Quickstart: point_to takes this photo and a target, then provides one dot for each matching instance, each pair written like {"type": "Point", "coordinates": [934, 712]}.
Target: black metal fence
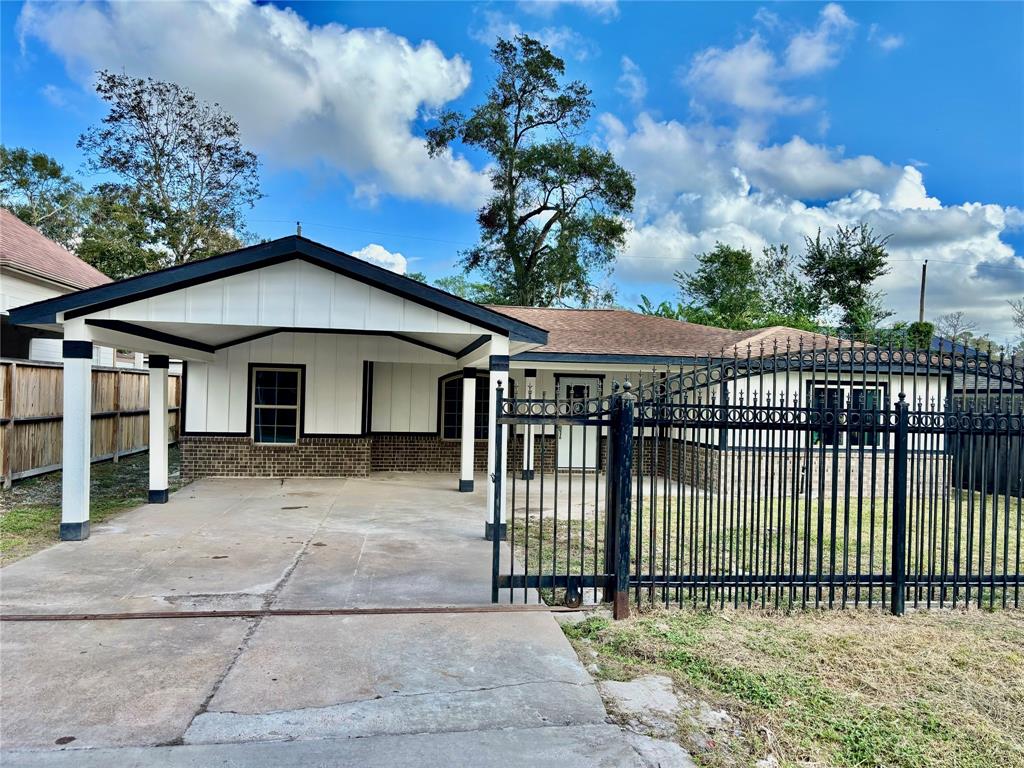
{"type": "Point", "coordinates": [818, 475]}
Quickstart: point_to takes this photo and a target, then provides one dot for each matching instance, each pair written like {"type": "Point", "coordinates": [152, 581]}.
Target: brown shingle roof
{"type": "Point", "coordinates": [23, 247]}
{"type": "Point", "coordinates": [621, 332]}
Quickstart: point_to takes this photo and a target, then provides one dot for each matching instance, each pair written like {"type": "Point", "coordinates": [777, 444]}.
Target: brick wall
{"type": "Point", "coordinates": [203, 456]}
{"type": "Point", "coordinates": [399, 452]}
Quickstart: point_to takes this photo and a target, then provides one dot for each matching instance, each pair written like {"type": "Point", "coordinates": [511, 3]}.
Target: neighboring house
{"type": "Point", "coordinates": [301, 360]}
{"type": "Point", "coordinates": [33, 268]}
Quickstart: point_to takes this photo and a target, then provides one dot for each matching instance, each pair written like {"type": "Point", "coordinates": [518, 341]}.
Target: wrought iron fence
{"type": "Point", "coordinates": [827, 474]}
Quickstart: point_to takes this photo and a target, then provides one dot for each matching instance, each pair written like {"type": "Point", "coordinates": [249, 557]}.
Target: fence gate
{"type": "Point", "coordinates": [787, 476]}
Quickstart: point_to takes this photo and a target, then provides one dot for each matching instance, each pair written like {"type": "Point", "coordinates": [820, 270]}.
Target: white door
{"type": "Point", "coordinates": [577, 444]}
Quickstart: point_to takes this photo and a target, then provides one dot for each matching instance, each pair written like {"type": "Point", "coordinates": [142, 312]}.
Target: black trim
{"type": "Point", "coordinates": [159, 362]}
{"type": "Point", "coordinates": [77, 350]}
{"type": "Point", "coordinates": [266, 254]}
{"type": "Point", "coordinates": [573, 357]}
{"type": "Point", "coordinates": [469, 373]}
{"type": "Point", "coordinates": [74, 531]}
{"type": "Point", "coordinates": [158, 497]}
{"type": "Point", "coordinates": [142, 331]}
{"type": "Point", "coordinates": [465, 486]}
{"type": "Point", "coordinates": [479, 342]}
{"type": "Point", "coordinates": [482, 381]}
{"type": "Point", "coordinates": [301, 422]}
{"type": "Point", "coordinates": [335, 332]}
{"type": "Point", "coordinates": [530, 373]}
{"type": "Point", "coordinates": [367, 409]}
{"type": "Point", "coordinates": [498, 363]}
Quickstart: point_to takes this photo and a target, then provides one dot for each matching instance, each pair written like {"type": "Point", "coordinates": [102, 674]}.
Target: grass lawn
{"type": "Point", "coordinates": [30, 510]}
{"type": "Point", "coordinates": [837, 688]}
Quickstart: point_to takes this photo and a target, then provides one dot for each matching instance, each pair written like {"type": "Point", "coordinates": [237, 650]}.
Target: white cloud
{"type": "Point", "coordinates": [750, 76]}
{"type": "Point", "coordinates": [561, 39]}
{"type": "Point", "coordinates": [54, 95]}
{"type": "Point", "coordinates": [887, 42]}
{"type": "Point", "coordinates": [632, 84]}
{"type": "Point", "coordinates": [698, 184]}
{"type": "Point", "coordinates": [606, 10]}
{"type": "Point", "coordinates": [382, 257]}
{"type": "Point", "coordinates": [812, 51]}
{"type": "Point", "coordinates": [304, 95]}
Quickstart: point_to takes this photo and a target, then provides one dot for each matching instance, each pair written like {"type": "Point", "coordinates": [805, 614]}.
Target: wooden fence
{"type": "Point", "coordinates": [31, 406]}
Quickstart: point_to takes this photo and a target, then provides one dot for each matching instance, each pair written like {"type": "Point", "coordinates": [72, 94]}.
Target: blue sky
{"type": "Point", "coordinates": [747, 123]}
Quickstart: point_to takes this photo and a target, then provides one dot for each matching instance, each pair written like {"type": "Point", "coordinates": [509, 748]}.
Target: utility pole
{"type": "Point", "coordinates": [298, 231]}
{"type": "Point", "coordinates": [924, 277]}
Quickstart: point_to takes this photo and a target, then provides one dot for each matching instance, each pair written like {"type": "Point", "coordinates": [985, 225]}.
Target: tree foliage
{"type": "Point", "coordinates": [36, 189]}
{"type": "Point", "coordinates": [723, 291]}
{"type": "Point", "coordinates": [555, 218]}
{"type": "Point", "coordinates": [842, 269]}
{"type": "Point", "coordinates": [464, 288]}
{"type": "Point", "coordinates": [182, 174]}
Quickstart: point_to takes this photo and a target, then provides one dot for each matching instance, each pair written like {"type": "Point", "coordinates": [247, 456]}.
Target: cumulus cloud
{"type": "Point", "coordinates": [751, 75]}
{"type": "Point", "coordinates": [631, 83]}
{"type": "Point", "coordinates": [304, 95]}
{"type": "Point", "coordinates": [382, 257]}
{"type": "Point", "coordinates": [698, 184]}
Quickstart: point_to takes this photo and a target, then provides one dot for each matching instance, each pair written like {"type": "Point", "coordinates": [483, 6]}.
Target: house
{"type": "Point", "coordinates": [34, 268]}
{"type": "Point", "coordinates": [300, 360]}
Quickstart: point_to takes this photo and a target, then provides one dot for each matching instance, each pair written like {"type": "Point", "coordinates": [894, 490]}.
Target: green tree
{"type": "Point", "coordinates": [841, 270]}
{"type": "Point", "coordinates": [36, 189]}
{"type": "Point", "coordinates": [723, 291]}
{"type": "Point", "coordinates": [181, 164]}
{"type": "Point", "coordinates": [786, 298]}
{"type": "Point", "coordinates": [117, 240]}
{"type": "Point", "coordinates": [556, 218]}
{"type": "Point", "coordinates": [464, 288]}
{"type": "Point", "coordinates": [667, 309]}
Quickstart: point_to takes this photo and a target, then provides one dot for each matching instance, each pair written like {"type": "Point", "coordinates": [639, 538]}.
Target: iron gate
{"type": "Point", "coordinates": [787, 476]}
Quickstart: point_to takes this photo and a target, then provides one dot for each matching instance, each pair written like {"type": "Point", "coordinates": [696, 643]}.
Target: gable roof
{"type": "Point", "coordinates": [265, 254]}
{"type": "Point", "coordinates": [24, 248]}
{"type": "Point", "coordinates": [620, 335]}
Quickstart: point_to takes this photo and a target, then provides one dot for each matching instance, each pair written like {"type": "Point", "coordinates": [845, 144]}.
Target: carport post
{"type": "Point", "coordinates": [158, 365]}
{"type": "Point", "coordinates": [468, 429]}
{"type": "Point", "coordinates": [77, 440]}
{"type": "Point", "coordinates": [499, 375]}
{"type": "Point", "coordinates": [531, 390]}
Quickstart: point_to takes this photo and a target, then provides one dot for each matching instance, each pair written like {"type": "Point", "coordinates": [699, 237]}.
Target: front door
{"type": "Point", "coordinates": [577, 445]}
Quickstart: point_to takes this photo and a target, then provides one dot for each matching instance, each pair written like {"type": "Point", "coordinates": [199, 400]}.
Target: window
{"type": "Point", "coordinates": [451, 408]}
{"type": "Point", "coordinates": [846, 404]}
{"type": "Point", "coordinates": [276, 394]}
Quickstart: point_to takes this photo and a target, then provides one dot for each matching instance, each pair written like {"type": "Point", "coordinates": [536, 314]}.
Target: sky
{"type": "Point", "coordinates": [745, 123]}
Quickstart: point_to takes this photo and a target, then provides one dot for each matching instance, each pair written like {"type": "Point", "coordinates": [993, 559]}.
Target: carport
{"type": "Point", "coordinates": [279, 343]}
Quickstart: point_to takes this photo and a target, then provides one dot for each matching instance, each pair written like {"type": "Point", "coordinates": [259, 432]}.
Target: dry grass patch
{"type": "Point", "coordinates": [840, 688]}
{"type": "Point", "coordinates": [30, 510]}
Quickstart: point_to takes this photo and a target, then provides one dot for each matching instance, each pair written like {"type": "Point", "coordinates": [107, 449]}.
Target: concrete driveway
{"type": "Point", "coordinates": [456, 688]}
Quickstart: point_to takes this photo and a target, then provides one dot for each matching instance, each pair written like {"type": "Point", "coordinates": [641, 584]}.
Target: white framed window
{"type": "Point", "coordinates": [860, 401]}
{"type": "Point", "coordinates": [276, 405]}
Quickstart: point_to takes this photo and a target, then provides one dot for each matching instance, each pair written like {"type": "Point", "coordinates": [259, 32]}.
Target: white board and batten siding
{"type": "Point", "coordinates": [218, 393]}
{"type": "Point", "coordinates": [293, 294]}
{"type": "Point", "coordinates": [405, 396]}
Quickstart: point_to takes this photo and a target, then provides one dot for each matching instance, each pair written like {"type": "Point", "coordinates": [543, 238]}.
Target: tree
{"type": "Point", "coordinates": [920, 334]}
{"type": "Point", "coordinates": [667, 309]}
{"type": "Point", "coordinates": [786, 297]}
{"type": "Point", "coordinates": [842, 269]}
{"type": "Point", "coordinates": [461, 286]}
{"type": "Point", "coordinates": [723, 291]}
{"type": "Point", "coordinates": [555, 218]}
{"type": "Point", "coordinates": [35, 188]}
{"type": "Point", "coordinates": [955, 326]}
{"type": "Point", "coordinates": [180, 167]}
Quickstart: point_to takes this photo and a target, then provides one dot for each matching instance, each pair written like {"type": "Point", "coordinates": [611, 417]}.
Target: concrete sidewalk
{"type": "Point", "coordinates": [418, 689]}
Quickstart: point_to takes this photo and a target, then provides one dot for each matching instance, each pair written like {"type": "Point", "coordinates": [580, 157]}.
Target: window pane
{"type": "Point", "coordinates": [266, 387]}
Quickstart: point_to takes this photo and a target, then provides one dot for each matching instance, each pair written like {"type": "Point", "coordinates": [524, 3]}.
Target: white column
{"type": "Point", "coordinates": [77, 436]}
{"type": "Point", "coordinates": [531, 392]}
{"type": "Point", "coordinates": [158, 428]}
{"type": "Point", "coordinates": [498, 365]}
{"type": "Point", "coordinates": [468, 429]}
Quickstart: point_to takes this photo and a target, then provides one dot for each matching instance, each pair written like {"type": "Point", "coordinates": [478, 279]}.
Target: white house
{"type": "Point", "coordinates": [300, 360]}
